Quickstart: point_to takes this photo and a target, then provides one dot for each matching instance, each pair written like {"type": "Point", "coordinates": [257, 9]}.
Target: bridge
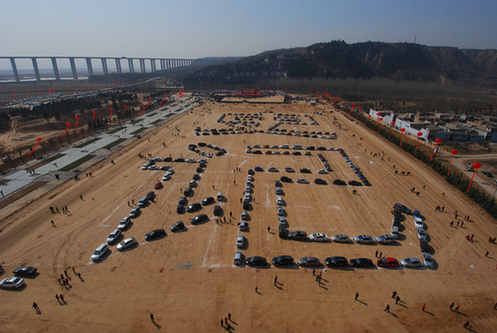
{"type": "Point", "coordinates": [164, 64]}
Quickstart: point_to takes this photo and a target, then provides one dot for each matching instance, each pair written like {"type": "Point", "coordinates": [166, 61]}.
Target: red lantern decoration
{"type": "Point", "coordinates": [67, 127]}
{"type": "Point", "coordinates": [367, 120]}
{"type": "Point", "coordinates": [476, 166]}
{"type": "Point", "coordinates": [419, 134]}
{"type": "Point", "coordinates": [379, 124]}
{"type": "Point", "coordinates": [402, 130]}
{"type": "Point", "coordinates": [37, 139]}
{"type": "Point", "coordinates": [94, 113]}
{"type": "Point", "coordinates": [454, 152]}
{"type": "Point", "coordinates": [391, 129]}
{"type": "Point", "coordinates": [437, 141]}
{"type": "Point", "coordinates": [77, 119]}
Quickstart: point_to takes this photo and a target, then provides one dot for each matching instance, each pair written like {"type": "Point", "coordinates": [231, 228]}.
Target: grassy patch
{"type": "Point", "coordinates": [88, 142]}
{"type": "Point", "coordinates": [74, 164]}
{"type": "Point", "coordinates": [169, 115]}
{"type": "Point", "coordinates": [152, 114]}
{"type": "Point", "coordinates": [115, 143]}
{"type": "Point", "coordinates": [138, 130]}
{"type": "Point", "coordinates": [48, 160]}
{"type": "Point", "coordinates": [134, 121]}
{"type": "Point", "coordinates": [115, 130]}
{"type": "Point", "coordinates": [156, 121]}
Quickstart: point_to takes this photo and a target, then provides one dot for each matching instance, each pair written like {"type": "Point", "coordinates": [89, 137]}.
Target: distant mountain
{"type": "Point", "coordinates": [337, 59]}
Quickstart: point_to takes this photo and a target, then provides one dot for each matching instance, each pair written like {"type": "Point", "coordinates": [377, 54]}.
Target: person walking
{"type": "Point", "coordinates": [313, 271]}
{"type": "Point", "coordinates": [53, 224]}
{"type": "Point", "coordinates": [466, 324]}
{"type": "Point", "coordinates": [357, 296]}
{"type": "Point", "coordinates": [81, 196]}
{"type": "Point", "coordinates": [57, 297]}
{"type": "Point", "coordinates": [229, 316]}
{"type": "Point", "coordinates": [275, 280]}
{"type": "Point", "coordinates": [495, 306]}
{"type": "Point", "coordinates": [35, 306]}
{"type": "Point", "coordinates": [486, 254]}
{"type": "Point", "coordinates": [452, 305]}
{"type": "Point", "coordinates": [268, 229]}
{"type": "Point", "coordinates": [387, 309]}
{"type": "Point", "coordinates": [457, 308]}
{"type": "Point", "coordinates": [376, 254]}
{"type": "Point", "coordinates": [395, 292]}
{"type": "Point", "coordinates": [451, 224]}
{"type": "Point", "coordinates": [222, 323]}
{"type": "Point", "coordinates": [152, 317]}
{"type": "Point", "coordinates": [397, 299]}
{"type": "Point", "coordinates": [62, 298]}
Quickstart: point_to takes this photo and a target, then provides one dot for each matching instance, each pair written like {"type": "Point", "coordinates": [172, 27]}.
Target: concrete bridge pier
{"type": "Point", "coordinates": [131, 66]}
{"type": "Point", "coordinates": [142, 66]}
{"type": "Point", "coordinates": [55, 69]}
{"type": "Point", "coordinates": [73, 68]}
{"type": "Point", "coordinates": [118, 66]}
{"type": "Point", "coordinates": [35, 68]}
{"type": "Point", "coordinates": [14, 69]}
{"type": "Point", "coordinates": [89, 66]}
{"type": "Point", "coordinates": [104, 66]}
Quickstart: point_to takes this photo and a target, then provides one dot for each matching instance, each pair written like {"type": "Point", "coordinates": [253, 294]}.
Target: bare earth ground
{"type": "Point", "coordinates": [187, 279]}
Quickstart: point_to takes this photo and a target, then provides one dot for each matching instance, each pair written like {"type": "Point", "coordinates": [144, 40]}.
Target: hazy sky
{"type": "Point", "coordinates": [194, 29]}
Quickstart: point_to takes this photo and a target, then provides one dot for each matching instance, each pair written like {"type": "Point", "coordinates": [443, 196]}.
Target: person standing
{"type": "Point", "coordinates": [152, 317]}
{"type": "Point", "coordinates": [452, 305]}
{"type": "Point", "coordinates": [395, 292]}
{"type": "Point", "coordinates": [357, 296]}
{"type": "Point", "coordinates": [424, 306]}
{"type": "Point", "coordinates": [387, 309]}
{"type": "Point", "coordinates": [397, 299]}
{"type": "Point", "coordinates": [275, 280]}
{"type": "Point", "coordinates": [35, 306]}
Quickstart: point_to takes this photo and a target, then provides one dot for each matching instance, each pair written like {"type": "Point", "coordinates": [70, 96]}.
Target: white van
{"type": "Point", "coordinates": [297, 147]}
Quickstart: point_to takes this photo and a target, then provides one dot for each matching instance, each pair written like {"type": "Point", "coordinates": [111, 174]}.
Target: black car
{"type": "Point", "coordinates": [183, 201]}
{"type": "Point", "coordinates": [296, 153]}
{"type": "Point", "coordinates": [402, 208]}
{"type": "Point", "coordinates": [199, 219]}
{"type": "Point", "coordinates": [361, 262]}
{"type": "Point", "coordinates": [201, 144]}
{"type": "Point", "coordinates": [304, 170]}
{"type": "Point", "coordinates": [283, 261]}
{"type": "Point", "coordinates": [487, 173]}
{"type": "Point", "coordinates": [218, 211]}
{"type": "Point", "coordinates": [277, 183]}
{"type": "Point", "coordinates": [339, 182]}
{"type": "Point", "coordinates": [257, 152]}
{"type": "Point", "coordinates": [286, 179]}
{"type": "Point", "coordinates": [321, 148]}
{"type": "Point", "coordinates": [355, 183]}
{"type": "Point", "coordinates": [187, 192]}
{"type": "Point", "coordinates": [320, 181]}
{"type": "Point", "coordinates": [251, 172]}
{"type": "Point", "coordinates": [178, 226]}
{"type": "Point", "coordinates": [168, 159]}
{"type": "Point", "coordinates": [336, 262]}
{"type": "Point", "coordinates": [246, 205]}
{"type": "Point", "coordinates": [207, 201]}
{"type": "Point", "coordinates": [366, 182]}
{"type": "Point", "coordinates": [25, 271]}
{"type": "Point", "coordinates": [150, 195]}
{"type": "Point", "coordinates": [154, 234]}
{"type": "Point", "coordinates": [310, 148]}
{"type": "Point", "coordinates": [219, 153]}
{"type": "Point", "coordinates": [196, 176]}
{"type": "Point", "coordinates": [256, 261]}
{"type": "Point", "coordinates": [180, 209]}
{"type": "Point", "coordinates": [297, 235]}
{"type": "Point", "coordinates": [179, 159]}
{"type": "Point", "coordinates": [199, 170]}
{"type": "Point", "coordinates": [193, 207]}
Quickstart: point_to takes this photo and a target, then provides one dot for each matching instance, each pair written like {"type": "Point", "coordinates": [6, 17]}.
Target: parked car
{"type": "Point", "coordinates": [288, 169]}
{"type": "Point", "coordinates": [322, 171]}
{"type": "Point", "coordinates": [143, 202]}
{"type": "Point", "coordinates": [154, 234]}
{"type": "Point", "coordinates": [218, 211]}
{"type": "Point", "coordinates": [302, 181]}
{"type": "Point", "coordinates": [207, 201]}
{"type": "Point", "coordinates": [319, 181]}
{"type": "Point", "coordinates": [286, 179]}
{"type": "Point", "coordinates": [25, 271]}
{"type": "Point", "coordinates": [243, 226]}
{"type": "Point", "coordinates": [388, 262]}
{"type": "Point", "coordinates": [126, 244]}
{"type": "Point", "coordinates": [244, 215]}
{"type": "Point", "coordinates": [12, 283]}
{"type": "Point", "coordinates": [386, 239]}
{"type": "Point", "coordinates": [427, 260]}
{"type": "Point", "coordinates": [99, 252]}
{"type": "Point", "coordinates": [354, 183]}
{"type": "Point", "coordinates": [297, 235]}
{"type": "Point", "coordinates": [124, 223]}
{"type": "Point", "coordinates": [402, 208]}
{"type": "Point", "coordinates": [240, 241]}
{"type": "Point", "coordinates": [361, 263]}
{"type": "Point", "coordinates": [363, 239]}
{"type": "Point", "coordinates": [283, 261]}
{"type": "Point", "coordinates": [256, 261]}
{"type": "Point", "coordinates": [336, 262]}
{"type": "Point", "coordinates": [257, 168]}
{"type": "Point", "coordinates": [339, 182]}
{"type": "Point", "coordinates": [304, 170]}
{"type": "Point", "coordinates": [134, 212]}
{"type": "Point", "coordinates": [318, 237]}
{"type": "Point", "coordinates": [281, 211]}
{"type": "Point", "coordinates": [309, 262]}
{"type": "Point", "coordinates": [150, 195]}
{"type": "Point", "coordinates": [193, 207]}
{"type": "Point", "coordinates": [340, 238]}
{"type": "Point", "coordinates": [113, 236]}
{"type": "Point", "coordinates": [158, 185]}
{"type": "Point", "coordinates": [421, 234]}
{"type": "Point", "coordinates": [178, 226]}
{"type": "Point", "coordinates": [272, 169]}
{"type": "Point", "coordinates": [238, 259]}
{"type": "Point", "coordinates": [199, 219]}
{"type": "Point", "coordinates": [411, 262]}
{"type": "Point", "coordinates": [183, 201]}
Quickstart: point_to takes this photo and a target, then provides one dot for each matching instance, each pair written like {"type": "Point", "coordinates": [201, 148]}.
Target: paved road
{"type": "Point", "coordinates": [19, 178]}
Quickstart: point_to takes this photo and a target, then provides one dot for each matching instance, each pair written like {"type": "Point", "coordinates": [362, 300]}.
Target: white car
{"type": "Point", "coordinates": [113, 236]}
{"type": "Point", "coordinates": [272, 169]}
{"type": "Point", "coordinates": [124, 223]}
{"type": "Point", "coordinates": [191, 160]}
{"type": "Point", "coordinates": [145, 167]}
{"type": "Point", "coordinates": [12, 282]}
{"type": "Point", "coordinates": [240, 241]}
{"type": "Point", "coordinates": [244, 215]}
{"type": "Point", "coordinates": [276, 152]}
{"type": "Point", "coordinates": [247, 196]}
{"type": "Point", "coordinates": [302, 181]}
{"type": "Point", "coordinates": [427, 260]}
{"type": "Point", "coordinates": [418, 223]}
{"type": "Point", "coordinates": [341, 238]}
{"type": "Point", "coordinates": [421, 234]}
{"type": "Point", "coordinates": [318, 237]}
{"type": "Point", "coordinates": [170, 172]}
{"type": "Point", "coordinates": [279, 201]}
{"type": "Point", "coordinates": [126, 244]}
{"type": "Point", "coordinates": [166, 177]}
{"type": "Point", "coordinates": [322, 171]}
{"type": "Point", "coordinates": [153, 167]}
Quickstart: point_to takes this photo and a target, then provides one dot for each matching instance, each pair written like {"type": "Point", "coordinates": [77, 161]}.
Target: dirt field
{"type": "Point", "coordinates": [188, 280]}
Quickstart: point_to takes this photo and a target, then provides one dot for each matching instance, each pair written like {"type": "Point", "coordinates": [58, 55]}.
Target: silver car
{"type": "Point", "coordinates": [411, 262]}
{"type": "Point", "coordinates": [421, 234]}
{"type": "Point", "coordinates": [427, 260]}
{"type": "Point", "coordinates": [281, 211]}
{"type": "Point", "coordinates": [12, 282]}
{"type": "Point", "coordinates": [240, 241]}
{"type": "Point", "coordinates": [341, 238]}
{"type": "Point", "coordinates": [126, 244]}
{"type": "Point", "coordinates": [113, 236]}
{"type": "Point", "coordinates": [124, 223]}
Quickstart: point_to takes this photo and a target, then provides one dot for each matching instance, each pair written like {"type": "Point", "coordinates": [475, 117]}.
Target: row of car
{"type": "Point", "coordinates": [243, 225]}
{"type": "Point", "coordinates": [356, 170]}
{"type": "Point", "coordinates": [287, 146]}
{"type": "Point", "coordinates": [334, 262]}
{"type": "Point", "coordinates": [16, 282]}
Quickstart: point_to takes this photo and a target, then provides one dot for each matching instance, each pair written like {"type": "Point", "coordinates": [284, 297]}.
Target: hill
{"type": "Point", "coordinates": [337, 59]}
